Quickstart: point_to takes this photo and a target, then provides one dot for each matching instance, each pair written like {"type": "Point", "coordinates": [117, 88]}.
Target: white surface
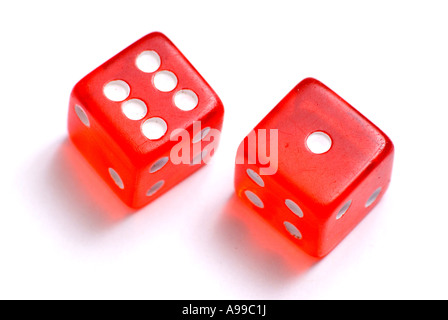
{"type": "Point", "coordinates": [62, 234]}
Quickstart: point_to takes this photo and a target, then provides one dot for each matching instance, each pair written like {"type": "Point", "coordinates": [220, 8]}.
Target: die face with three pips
{"type": "Point", "coordinates": [316, 197]}
{"type": "Point", "coordinates": [122, 117]}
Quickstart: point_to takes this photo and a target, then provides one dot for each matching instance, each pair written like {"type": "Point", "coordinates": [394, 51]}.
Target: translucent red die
{"type": "Point", "coordinates": [123, 117]}
{"type": "Point", "coordinates": [332, 167]}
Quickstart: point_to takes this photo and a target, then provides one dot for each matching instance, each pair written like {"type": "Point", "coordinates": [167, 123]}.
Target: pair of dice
{"type": "Point", "coordinates": [146, 120]}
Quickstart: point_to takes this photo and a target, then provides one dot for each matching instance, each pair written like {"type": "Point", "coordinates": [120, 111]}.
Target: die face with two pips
{"type": "Point", "coordinates": [122, 117]}
{"type": "Point", "coordinates": [319, 192]}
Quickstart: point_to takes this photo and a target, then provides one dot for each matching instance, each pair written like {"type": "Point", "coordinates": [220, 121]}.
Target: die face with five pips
{"type": "Point", "coordinates": [320, 191]}
{"type": "Point", "coordinates": [123, 117]}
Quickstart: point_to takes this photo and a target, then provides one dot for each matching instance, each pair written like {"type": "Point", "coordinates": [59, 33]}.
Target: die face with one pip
{"type": "Point", "coordinates": [320, 192]}
{"type": "Point", "coordinates": [122, 116]}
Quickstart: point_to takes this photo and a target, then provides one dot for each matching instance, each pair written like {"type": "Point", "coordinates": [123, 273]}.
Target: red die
{"type": "Point", "coordinates": [320, 191]}
{"type": "Point", "coordinates": [126, 115]}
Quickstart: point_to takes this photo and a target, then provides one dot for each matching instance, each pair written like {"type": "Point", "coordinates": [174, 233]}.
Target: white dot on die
{"type": "Point", "coordinates": [373, 197]}
{"type": "Point", "coordinates": [343, 210]}
{"type": "Point", "coordinates": [116, 177]}
{"type": "Point", "coordinates": [294, 207]}
{"type": "Point", "coordinates": [82, 115]}
{"type": "Point", "coordinates": [201, 135]}
{"type": "Point", "coordinates": [186, 100]}
{"type": "Point", "coordinates": [154, 128]}
{"type": "Point", "coordinates": [117, 90]}
{"type": "Point", "coordinates": [148, 61]}
{"type": "Point", "coordinates": [156, 187]}
{"type": "Point", "coordinates": [134, 109]}
{"type": "Point", "coordinates": [202, 156]}
{"type": "Point", "coordinates": [256, 201]}
{"type": "Point", "coordinates": [292, 229]}
{"type": "Point", "coordinates": [197, 159]}
{"type": "Point", "coordinates": [165, 81]}
{"type": "Point", "coordinates": [206, 153]}
{"type": "Point", "coordinates": [255, 177]}
{"type": "Point", "coordinates": [318, 142]}
{"type": "Point", "coordinates": [159, 164]}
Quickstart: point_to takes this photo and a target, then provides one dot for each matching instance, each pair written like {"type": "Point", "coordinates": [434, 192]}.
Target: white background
{"type": "Point", "coordinates": [64, 235]}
